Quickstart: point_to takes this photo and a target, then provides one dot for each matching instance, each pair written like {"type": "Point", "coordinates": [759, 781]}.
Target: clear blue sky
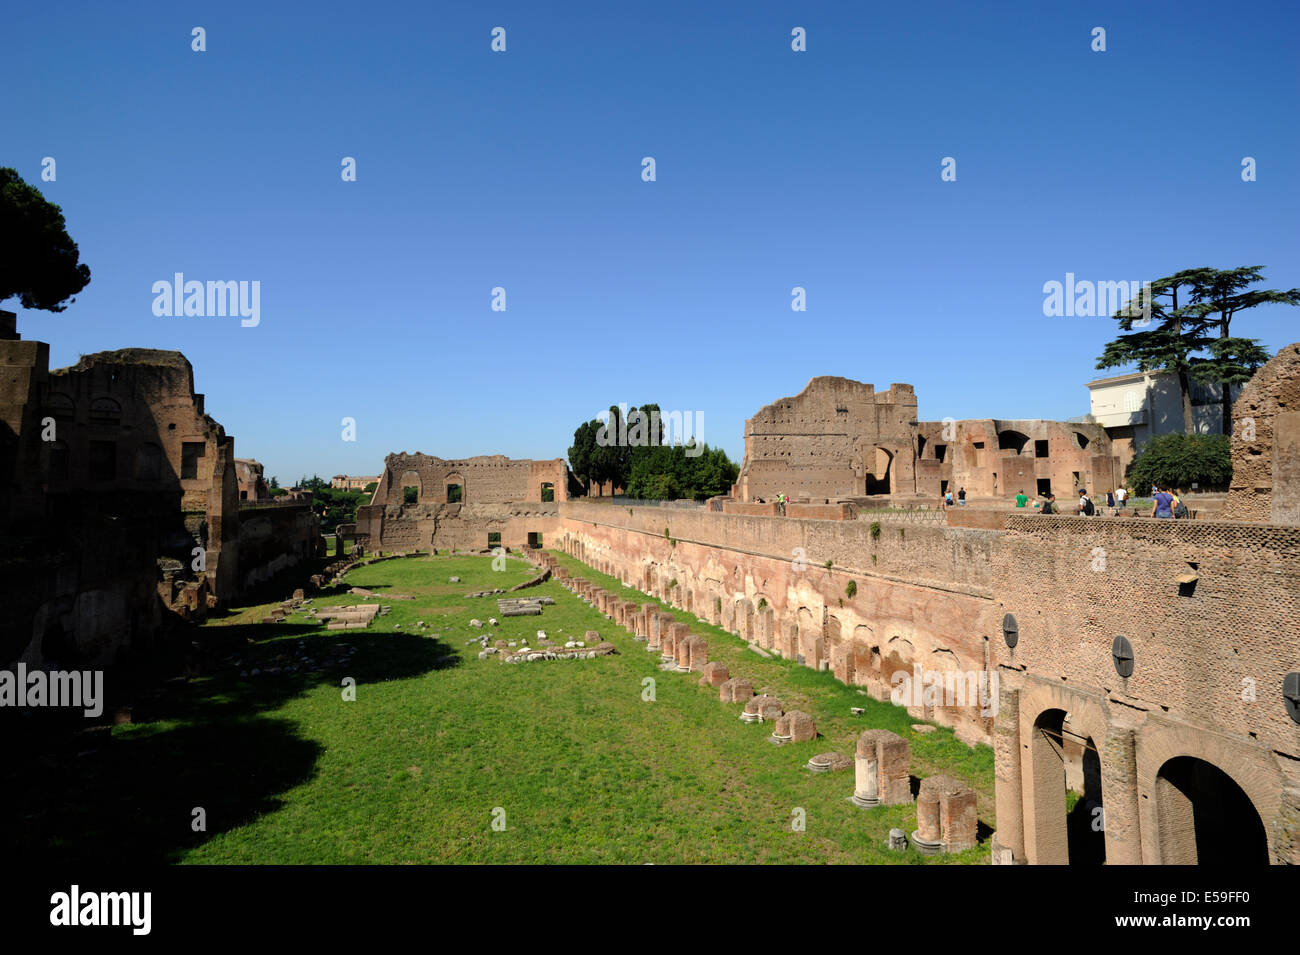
{"type": "Point", "coordinates": [523, 170]}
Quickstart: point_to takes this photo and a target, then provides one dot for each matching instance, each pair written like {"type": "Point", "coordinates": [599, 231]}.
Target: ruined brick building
{"type": "Point", "coordinates": [836, 439]}
{"type": "Point", "coordinates": [250, 481]}
{"type": "Point", "coordinates": [119, 503]}
{"type": "Point", "coordinates": [348, 482]}
{"type": "Point", "coordinates": [840, 440]}
{"type": "Point", "coordinates": [425, 502]}
{"type": "Point", "coordinates": [1150, 667]}
{"type": "Point", "coordinates": [1266, 443]}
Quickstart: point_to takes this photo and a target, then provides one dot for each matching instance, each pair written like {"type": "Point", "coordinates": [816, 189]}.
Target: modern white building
{"type": "Point", "coordinates": [1136, 407]}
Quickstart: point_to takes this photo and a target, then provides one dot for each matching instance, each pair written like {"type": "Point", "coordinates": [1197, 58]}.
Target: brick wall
{"type": "Point", "coordinates": [922, 595]}
{"type": "Point", "coordinates": [1074, 584]}
{"type": "Point", "coordinates": [1266, 444]}
{"type": "Point", "coordinates": [486, 479]}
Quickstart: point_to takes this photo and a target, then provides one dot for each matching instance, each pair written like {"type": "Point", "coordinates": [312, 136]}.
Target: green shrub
{"type": "Point", "coordinates": [875, 530]}
{"type": "Point", "coordinates": [1180, 460]}
{"type": "Point", "coordinates": [850, 589]}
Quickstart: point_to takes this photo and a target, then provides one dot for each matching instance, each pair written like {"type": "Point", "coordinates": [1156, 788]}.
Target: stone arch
{"type": "Point", "coordinates": [899, 653]}
{"type": "Point", "coordinates": [942, 658]}
{"type": "Point", "coordinates": [60, 407]}
{"type": "Point", "coordinates": [1051, 717]}
{"type": "Point", "coordinates": [1047, 782]}
{"type": "Point", "coordinates": [866, 664]}
{"type": "Point", "coordinates": [1255, 773]}
{"type": "Point", "coordinates": [880, 480]}
{"type": "Point", "coordinates": [105, 410]}
{"type": "Point", "coordinates": [1011, 440]}
{"type": "Point", "coordinates": [1205, 817]}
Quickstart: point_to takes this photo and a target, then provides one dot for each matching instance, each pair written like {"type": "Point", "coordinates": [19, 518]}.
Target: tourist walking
{"type": "Point", "coordinates": [1086, 507]}
{"type": "Point", "coordinates": [1162, 504]}
{"type": "Point", "coordinates": [1180, 508]}
{"type": "Point", "coordinates": [1022, 499]}
{"type": "Point", "coordinates": [961, 498]}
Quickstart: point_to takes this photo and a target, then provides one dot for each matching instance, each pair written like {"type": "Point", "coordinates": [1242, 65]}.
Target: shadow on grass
{"type": "Point", "coordinates": [133, 801]}
{"type": "Point", "coordinates": [96, 794]}
{"type": "Point", "coordinates": [377, 657]}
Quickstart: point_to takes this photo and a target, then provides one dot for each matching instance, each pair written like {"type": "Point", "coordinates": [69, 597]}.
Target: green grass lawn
{"type": "Point", "coordinates": [439, 743]}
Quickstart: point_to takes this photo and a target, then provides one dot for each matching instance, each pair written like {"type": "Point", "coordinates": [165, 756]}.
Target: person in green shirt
{"type": "Point", "coordinates": [1021, 499]}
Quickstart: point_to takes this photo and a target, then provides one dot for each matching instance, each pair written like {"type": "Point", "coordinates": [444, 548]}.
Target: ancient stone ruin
{"type": "Point", "coordinates": [794, 727]}
{"type": "Point", "coordinates": [829, 763]}
{"type": "Point", "coordinates": [736, 690]}
{"type": "Point", "coordinates": [944, 613]}
{"type": "Point", "coordinates": [353, 617]}
{"type": "Point", "coordinates": [122, 505]}
{"type": "Point", "coordinates": [840, 440]}
{"type": "Point", "coordinates": [691, 653]}
{"type": "Point", "coordinates": [471, 504]}
{"type": "Point", "coordinates": [881, 770]}
{"type": "Point", "coordinates": [945, 816]}
{"type": "Point", "coordinates": [713, 674]}
{"type": "Point", "coordinates": [762, 708]}
{"type": "Point", "coordinates": [1266, 444]}
{"type": "Point", "coordinates": [523, 606]}
{"type": "Point", "coordinates": [578, 651]}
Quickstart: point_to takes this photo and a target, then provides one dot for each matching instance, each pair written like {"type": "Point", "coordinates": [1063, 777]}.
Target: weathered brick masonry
{"type": "Point", "coordinates": [923, 594]}
{"type": "Point", "coordinates": [1153, 746]}
{"type": "Point", "coordinates": [460, 504]}
{"type": "Point", "coordinates": [113, 478]}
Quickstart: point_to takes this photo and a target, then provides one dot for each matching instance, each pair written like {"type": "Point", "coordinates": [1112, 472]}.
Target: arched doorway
{"type": "Point", "coordinates": [1014, 441]}
{"type": "Point", "coordinates": [1069, 822]}
{"type": "Point", "coordinates": [1205, 817]}
{"type": "Point", "coordinates": [878, 482]}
